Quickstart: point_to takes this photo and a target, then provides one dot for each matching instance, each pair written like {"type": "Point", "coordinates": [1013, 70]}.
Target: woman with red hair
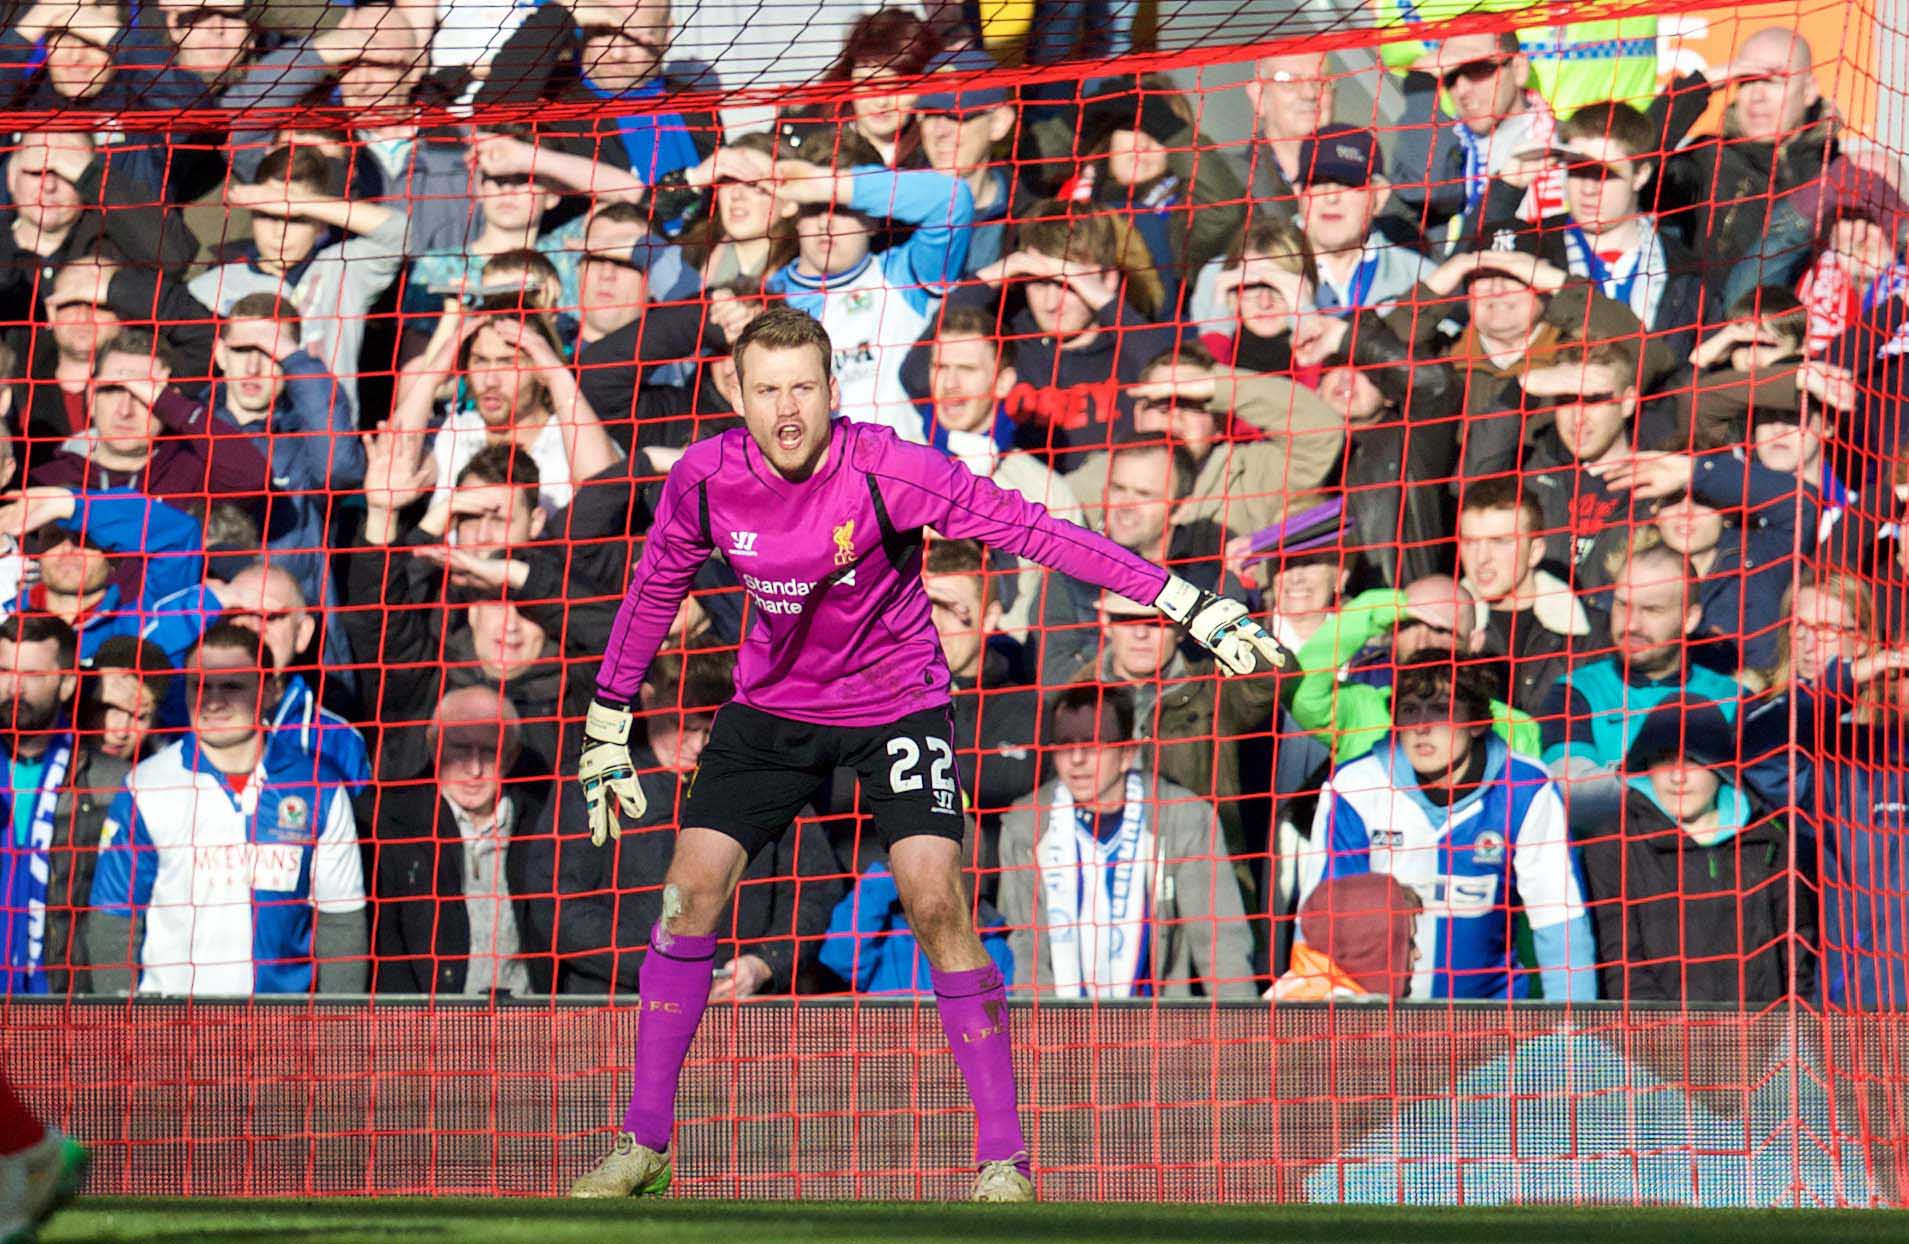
{"type": "Point", "coordinates": [883, 47]}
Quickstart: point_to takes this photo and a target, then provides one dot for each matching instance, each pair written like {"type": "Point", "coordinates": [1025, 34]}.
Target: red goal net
{"type": "Point", "coordinates": [1532, 375]}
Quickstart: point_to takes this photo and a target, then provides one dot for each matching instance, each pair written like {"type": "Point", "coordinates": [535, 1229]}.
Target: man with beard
{"type": "Point", "coordinates": [1592, 715]}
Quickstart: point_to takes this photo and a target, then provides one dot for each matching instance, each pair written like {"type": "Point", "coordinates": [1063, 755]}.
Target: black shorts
{"type": "Point", "coordinates": [758, 771]}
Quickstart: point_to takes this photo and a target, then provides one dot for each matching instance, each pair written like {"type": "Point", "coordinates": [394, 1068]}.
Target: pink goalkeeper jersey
{"type": "Point", "coordinates": [841, 633]}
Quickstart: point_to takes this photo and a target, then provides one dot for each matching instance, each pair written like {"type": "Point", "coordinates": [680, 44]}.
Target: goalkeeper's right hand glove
{"type": "Point", "coordinates": [605, 769]}
{"type": "Point", "coordinates": [1221, 626]}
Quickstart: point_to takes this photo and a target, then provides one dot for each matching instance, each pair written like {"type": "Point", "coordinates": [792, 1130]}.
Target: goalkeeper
{"type": "Point", "coordinates": [821, 519]}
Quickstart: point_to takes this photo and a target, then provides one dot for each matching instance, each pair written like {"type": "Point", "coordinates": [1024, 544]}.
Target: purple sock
{"type": "Point", "coordinates": [672, 990]}
{"type": "Point", "coordinates": [974, 1014]}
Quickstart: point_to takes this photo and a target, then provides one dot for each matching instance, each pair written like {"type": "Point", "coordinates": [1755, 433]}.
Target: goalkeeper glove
{"type": "Point", "coordinates": [1221, 626]}
{"type": "Point", "coordinates": [605, 769]}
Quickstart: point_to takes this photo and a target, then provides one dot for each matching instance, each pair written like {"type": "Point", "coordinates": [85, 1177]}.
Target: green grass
{"type": "Point", "coordinates": [109, 1221]}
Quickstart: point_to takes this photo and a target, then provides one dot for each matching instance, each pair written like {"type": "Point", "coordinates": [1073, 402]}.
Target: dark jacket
{"type": "Point", "coordinates": [1539, 644]}
{"type": "Point", "coordinates": [1590, 524]}
{"type": "Point", "coordinates": [1398, 470]}
{"type": "Point", "coordinates": [1715, 195]}
{"type": "Point", "coordinates": [1681, 922]}
{"type": "Point", "coordinates": [421, 932]}
{"type": "Point", "coordinates": [610, 897]}
{"type": "Point", "coordinates": [416, 647]}
{"type": "Point", "coordinates": [997, 738]}
{"type": "Point", "coordinates": [78, 818]}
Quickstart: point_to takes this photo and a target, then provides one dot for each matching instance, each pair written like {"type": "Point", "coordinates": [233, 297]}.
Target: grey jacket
{"type": "Point", "coordinates": [1199, 923]}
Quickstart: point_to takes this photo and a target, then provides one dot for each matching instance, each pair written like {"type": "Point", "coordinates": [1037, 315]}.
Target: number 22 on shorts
{"type": "Point", "coordinates": [904, 775]}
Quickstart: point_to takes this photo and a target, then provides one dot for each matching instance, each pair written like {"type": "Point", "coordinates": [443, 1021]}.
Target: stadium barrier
{"type": "Point", "coordinates": [828, 1100]}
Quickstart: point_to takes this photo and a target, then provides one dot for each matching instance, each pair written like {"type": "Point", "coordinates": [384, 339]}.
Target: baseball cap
{"type": "Point", "coordinates": [1504, 237]}
{"type": "Point", "coordinates": [1339, 154]}
{"type": "Point", "coordinates": [969, 99]}
{"type": "Point", "coordinates": [1696, 731]}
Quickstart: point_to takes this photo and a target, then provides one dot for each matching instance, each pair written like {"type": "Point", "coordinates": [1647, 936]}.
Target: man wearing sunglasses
{"type": "Point", "coordinates": [227, 867]}
{"type": "Point", "coordinates": [1495, 121]}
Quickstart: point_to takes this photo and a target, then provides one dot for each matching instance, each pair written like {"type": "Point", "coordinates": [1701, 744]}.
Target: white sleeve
{"type": "Point", "coordinates": [1541, 860]}
{"type": "Point", "coordinates": [1317, 852]}
{"type": "Point", "coordinates": [338, 877]}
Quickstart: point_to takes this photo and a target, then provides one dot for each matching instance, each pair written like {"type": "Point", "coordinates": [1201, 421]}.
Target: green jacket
{"type": "Point", "coordinates": [1352, 717]}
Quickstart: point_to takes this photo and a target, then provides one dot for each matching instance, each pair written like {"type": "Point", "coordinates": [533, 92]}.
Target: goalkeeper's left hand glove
{"type": "Point", "coordinates": [1221, 626]}
{"type": "Point", "coordinates": [605, 770]}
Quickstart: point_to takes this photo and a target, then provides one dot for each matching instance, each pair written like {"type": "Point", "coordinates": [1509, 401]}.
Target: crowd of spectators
{"type": "Point", "coordinates": [1560, 450]}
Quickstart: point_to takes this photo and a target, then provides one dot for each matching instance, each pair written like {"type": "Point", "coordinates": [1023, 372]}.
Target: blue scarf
{"type": "Point", "coordinates": [27, 872]}
{"type": "Point", "coordinates": [658, 143]}
{"type": "Point", "coordinates": [1477, 173]}
{"type": "Point", "coordinates": [1358, 294]}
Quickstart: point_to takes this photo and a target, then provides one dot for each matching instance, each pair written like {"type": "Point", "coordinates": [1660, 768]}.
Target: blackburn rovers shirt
{"type": "Point", "coordinates": [1500, 851]}
{"type": "Point", "coordinates": [841, 632]}
{"type": "Point", "coordinates": [228, 881]}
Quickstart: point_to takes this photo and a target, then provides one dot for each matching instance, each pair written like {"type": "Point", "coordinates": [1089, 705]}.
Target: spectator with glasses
{"type": "Point", "coordinates": [1502, 130]}
{"type": "Point", "coordinates": [227, 868]}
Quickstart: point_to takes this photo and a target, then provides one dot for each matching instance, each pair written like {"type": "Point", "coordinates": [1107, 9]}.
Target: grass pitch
{"type": "Point", "coordinates": [183, 1221]}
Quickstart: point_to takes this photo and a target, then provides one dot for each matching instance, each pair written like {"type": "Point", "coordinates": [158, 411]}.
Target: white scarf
{"type": "Point", "coordinates": [1099, 896]}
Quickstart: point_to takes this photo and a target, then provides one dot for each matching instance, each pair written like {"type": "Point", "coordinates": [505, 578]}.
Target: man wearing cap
{"type": "Point", "coordinates": [1116, 882]}
{"type": "Point", "coordinates": [228, 868]}
{"type": "Point", "coordinates": [1341, 192]}
{"type": "Point", "coordinates": [1476, 830]}
{"type": "Point", "coordinates": [1593, 714]}
{"type": "Point", "coordinates": [960, 131]}
{"type": "Point", "coordinates": [1532, 619]}
{"type": "Point", "coordinates": [1344, 689]}
{"type": "Point", "coordinates": [455, 861]}
{"type": "Point", "coordinates": [1690, 891]}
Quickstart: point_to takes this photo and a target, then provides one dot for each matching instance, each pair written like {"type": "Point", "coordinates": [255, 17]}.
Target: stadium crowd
{"type": "Point", "coordinates": [1559, 449]}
